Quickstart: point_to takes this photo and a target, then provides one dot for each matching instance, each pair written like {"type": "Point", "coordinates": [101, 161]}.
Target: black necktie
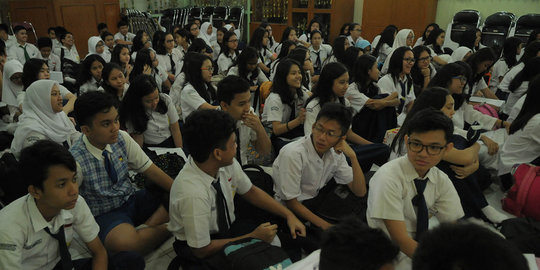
{"type": "Point", "coordinates": [65, 257]}
{"type": "Point", "coordinates": [65, 144]}
{"type": "Point", "coordinates": [318, 60]}
{"type": "Point", "coordinates": [223, 218]}
{"type": "Point", "coordinates": [125, 37]}
{"type": "Point", "coordinates": [97, 84]}
{"type": "Point", "coordinates": [173, 66]}
{"type": "Point", "coordinates": [109, 167]}
{"type": "Point", "coordinates": [403, 96]}
{"type": "Point", "coordinates": [238, 156]}
{"type": "Point", "coordinates": [419, 201]}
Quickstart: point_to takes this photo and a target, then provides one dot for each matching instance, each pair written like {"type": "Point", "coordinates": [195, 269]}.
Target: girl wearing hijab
{"type": "Point", "coordinates": [43, 118]}
{"type": "Point", "coordinates": [11, 87]}
{"type": "Point", "coordinates": [461, 54]}
{"type": "Point", "coordinates": [404, 37]}
{"type": "Point", "coordinates": [208, 34]}
{"type": "Point", "coordinates": [96, 46]}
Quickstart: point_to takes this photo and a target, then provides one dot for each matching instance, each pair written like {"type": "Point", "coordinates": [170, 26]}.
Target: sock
{"type": "Point", "coordinates": [493, 215]}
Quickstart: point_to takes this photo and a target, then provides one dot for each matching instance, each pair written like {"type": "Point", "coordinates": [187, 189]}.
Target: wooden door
{"type": "Point", "coordinates": [38, 12]}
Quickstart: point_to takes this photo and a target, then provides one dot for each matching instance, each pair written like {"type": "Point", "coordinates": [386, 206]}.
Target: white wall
{"type": "Point", "coordinates": [358, 7]}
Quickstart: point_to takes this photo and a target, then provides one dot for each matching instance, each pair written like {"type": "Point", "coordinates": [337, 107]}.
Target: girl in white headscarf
{"type": "Point", "coordinates": [96, 46]}
{"type": "Point", "coordinates": [405, 37]}
{"type": "Point", "coordinates": [461, 54]}
{"type": "Point", "coordinates": [208, 33]}
{"type": "Point", "coordinates": [43, 118]}
{"type": "Point", "coordinates": [12, 86]}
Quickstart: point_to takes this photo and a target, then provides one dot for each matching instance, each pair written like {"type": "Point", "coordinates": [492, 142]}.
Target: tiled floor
{"type": "Point", "coordinates": [161, 258]}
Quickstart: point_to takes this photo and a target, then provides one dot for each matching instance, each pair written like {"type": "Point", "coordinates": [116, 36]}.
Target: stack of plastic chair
{"type": "Point", "coordinates": [464, 20]}
{"type": "Point", "coordinates": [525, 25]}
{"type": "Point", "coordinates": [236, 16]}
{"type": "Point", "coordinates": [496, 28]}
{"type": "Point", "coordinates": [194, 13]}
{"type": "Point", "coordinates": [219, 16]}
{"type": "Point", "coordinates": [207, 13]}
{"type": "Point", "coordinates": [29, 28]}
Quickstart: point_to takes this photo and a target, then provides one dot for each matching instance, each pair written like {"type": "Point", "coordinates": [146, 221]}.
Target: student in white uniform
{"type": "Point", "coordinates": [461, 54]}
{"type": "Point", "coordinates": [421, 40]}
{"type": "Point", "coordinates": [523, 144]}
{"type": "Point", "coordinates": [123, 36]}
{"type": "Point", "coordinates": [12, 87]}
{"type": "Point", "coordinates": [54, 34]}
{"type": "Point", "coordinates": [404, 37]}
{"type": "Point", "coordinates": [120, 56]}
{"type": "Point", "coordinates": [341, 44]}
{"type": "Point", "coordinates": [108, 39]}
{"type": "Point", "coordinates": [305, 166]}
{"type": "Point", "coordinates": [198, 93]}
{"type": "Point", "coordinates": [284, 111]}
{"type": "Point", "coordinates": [289, 34]}
{"type": "Point", "coordinates": [399, 80]}
{"type": "Point", "coordinates": [181, 39]}
{"type": "Point", "coordinates": [45, 46]}
{"type": "Point", "coordinates": [272, 44]}
{"type": "Point", "coordinates": [90, 77]}
{"type": "Point", "coordinates": [518, 86]}
{"type": "Point", "coordinates": [36, 69]}
{"type": "Point", "coordinates": [95, 46]}
{"type": "Point", "coordinates": [248, 69]}
{"type": "Point", "coordinates": [140, 41]}
{"type": "Point", "coordinates": [532, 50]}
{"type": "Point", "coordinates": [434, 42]}
{"type": "Point", "coordinates": [286, 47]}
{"type": "Point", "coordinates": [301, 55]}
{"type": "Point", "coordinates": [313, 25]}
{"type": "Point", "coordinates": [9, 40]}
{"type": "Point", "coordinates": [202, 195]}
{"type": "Point", "coordinates": [168, 58]}
{"type": "Point", "coordinates": [351, 244]}
{"type": "Point", "coordinates": [150, 116]}
{"type": "Point", "coordinates": [29, 226]}
{"type": "Point", "coordinates": [209, 35]}
{"type": "Point", "coordinates": [318, 51]}
{"type": "Point", "coordinates": [113, 81]}
{"type": "Point", "coordinates": [259, 41]}
{"type": "Point", "coordinates": [480, 62]}
{"type": "Point", "coordinates": [356, 30]}
{"type": "Point", "coordinates": [43, 118]}
{"type": "Point", "coordinates": [511, 50]}
{"type": "Point", "coordinates": [22, 51]}
{"type": "Point", "coordinates": [414, 177]}
{"type": "Point", "coordinates": [467, 245]}
{"type": "Point", "coordinates": [229, 53]}
{"type": "Point", "coordinates": [233, 96]}
{"type": "Point", "coordinates": [68, 49]}
{"type": "Point", "coordinates": [422, 71]}
{"type": "Point", "coordinates": [149, 65]}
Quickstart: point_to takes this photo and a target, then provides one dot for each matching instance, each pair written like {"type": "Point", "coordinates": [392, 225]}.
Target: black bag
{"type": "Point", "coordinates": [69, 69]}
{"type": "Point", "coordinates": [245, 210]}
{"type": "Point", "coordinates": [12, 185]}
{"type": "Point", "coordinates": [254, 254]}
{"type": "Point", "coordinates": [524, 233]}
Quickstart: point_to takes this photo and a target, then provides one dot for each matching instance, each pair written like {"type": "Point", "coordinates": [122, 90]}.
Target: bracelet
{"type": "Point", "coordinates": [287, 125]}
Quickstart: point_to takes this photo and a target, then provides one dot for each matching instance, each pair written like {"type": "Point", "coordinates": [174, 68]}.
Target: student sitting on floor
{"type": "Point", "coordinates": [201, 201]}
{"type": "Point", "coordinates": [305, 166]}
{"type": "Point", "coordinates": [45, 47]}
{"type": "Point", "coordinates": [90, 75]}
{"type": "Point", "coordinates": [105, 155]}
{"type": "Point", "coordinates": [234, 97]}
{"type": "Point", "coordinates": [68, 49]}
{"type": "Point", "coordinates": [404, 191]}
{"type": "Point", "coordinates": [198, 93]}
{"type": "Point", "coordinates": [37, 229]}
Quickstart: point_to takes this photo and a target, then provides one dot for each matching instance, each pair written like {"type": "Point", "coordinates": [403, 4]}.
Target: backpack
{"type": "Point", "coordinates": [487, 110]}
{"type": "Point", "coordinates": [70, 69]}
{"type": "Point", "coordinates": [524, 233]}
{"type": "Point", "coordinates": [254, 254]}
{"type": "Point", "coordinates": [264, 90]}
{"type": "Point", "coordinates": [523, 199]}
{"type": "Point", "coordinates": [12, 185]}
{"type": "Point", "coordinates": [244, 209]}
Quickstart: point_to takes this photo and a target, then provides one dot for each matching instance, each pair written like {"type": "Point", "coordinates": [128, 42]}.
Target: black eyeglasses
{"type": "Point", "coordinates": [423, 59]}
{"type": "Point", "coordinates": [430, 149]}
{"type": "Point", "coordinates": [409, 60]}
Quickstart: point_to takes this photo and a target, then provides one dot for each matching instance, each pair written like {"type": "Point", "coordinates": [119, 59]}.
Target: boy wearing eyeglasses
{"type": "Point", "coordinates": [305, 166]}
{"type": "Point", "coordinates": [406, 191]}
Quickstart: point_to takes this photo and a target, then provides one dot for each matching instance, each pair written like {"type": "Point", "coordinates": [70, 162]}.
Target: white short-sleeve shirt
{"type": "Point", "coordinates": [517, 108]}
{"type": "Point", "coordinates": [356, 98]}
{"type": "Point", "coordinates": [514, 96]}
{"type": "Point", "coordinates": [190, 100]}
{"type": "Point", "coordinates": [128, 37]}
{"type": "Point", "coordinates": [225, 62]}
{"type": "Point", "coordinates": [17, 53]}
{"type": "Point", "coordinates": [165, 61]}
{"type": "Point", "coordinates": [521, 147]}
{"type": "Point", "coordinates": [247, 135]}
{"type": "Point", "coordinates": [193, 211]}
{"type": "Point", "coordinates": [299, 173]}
{"type": "Point", "coordinates": [499, 70]}
{"type": "Point", "coordinates": [24, 243]}
{"type": "Point", "coordinates": [510, 75]}
{"type": "Point", "coordinates": [312, 110]}
{"type": "Point", "coordinates": [275, 110]}
{"type": "Point", "coordinates": [71, 54]}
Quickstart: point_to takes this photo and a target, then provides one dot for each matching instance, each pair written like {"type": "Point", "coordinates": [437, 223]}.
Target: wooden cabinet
{"type": "Point", "coordinates": [78, 16]}
{"type": "Point", "coordinates": [412, 14]}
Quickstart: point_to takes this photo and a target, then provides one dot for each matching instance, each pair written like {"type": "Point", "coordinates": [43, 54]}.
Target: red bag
{"type": "Point", "coordinates": [523, 199]}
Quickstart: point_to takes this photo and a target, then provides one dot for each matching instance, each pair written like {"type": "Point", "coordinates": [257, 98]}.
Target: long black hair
{"type": "Point", "coordinates": [323, 88]}
{"type": "Point", "coordinates": [245, 56]}
{"type": "Point", "coordinates": [144, 57]}
{"type": "Point", "coordinates": [395, 66]}
{"type": "Point", "coordinates": [416, 73]}
{"type": "Point", "coordinates": [444, 77]}
{"type": "Point", "coordinates": [132, 109]}
{"type": "Point", "coordinates": [432, 40]}
{"type": "Point", "coordinates": [193, 72]}
{"type": "Point", "coordinates": [308, 29]}
{"type": "Point", "coordinates": [137, 41]}
{"type": "Point", "coordinates": [115, 56]}
{"type": "Point", "coordinates": [270, 37]}
{"type": "Point", "coordinates": [484, 54]}
{"type": "Point", "coordinates": [510, 51]}
{"type": "Point", "coordinates": [531, 70]}
{"type": "Point", "coordinates": [224, 44]}
{"type": "Point", "coordinates": [362, 80]}
{"type": "Point", "coordinates": [434, 97]}
{"type": "Point", "coordinates": [286, 32]}
{"type": "Point", "coordinates": [85, 73]}
{"type": "Point", "coordinates": [530, 106]}
{"type": "Point", "coordinates": [387, 37]}
{"type": "Point", "coordinates": [299, 55]}
{"type": "Point", "coordinates": [107, 69]}
{"type": "Point", "coordinates": [351, 54]}
{"type": "Point", "coordinates": [531, 51]}
{"type": "Point", "coordinates": [280, 86]}
{"type": "Point", "coordinates": [257, 38]}
{"type": "Point", "coordinates": [434, 25]}
{"type": "Point", "coordinates": [338, 49]}
{"type": "Point", "coordinates": [31, 71]}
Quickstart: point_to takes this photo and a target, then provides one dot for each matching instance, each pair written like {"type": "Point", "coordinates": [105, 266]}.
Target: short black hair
{"type": "Point", "coordinates": [351, 244]}
{"type": "Point", "coordinates": [64, 34]}
{"type": "Point", "coordinates": [229, 87]}
{"type": "Point", "coordinates": [122, 23]}
{"type": "Point", "coordinates": [430, 119]}
{"type": "Point", "coordinates": [36, 160]}
{"type": "Point", "coordinates": [206, 130]}
{"type": "Point", "coordinates": [44, 42]}
{"type": "Point", "coordinates": [106, 34]}
{"type": "Point", "coordinates": [91, 103]}
{"type": "Point", "coordinates": [18, 28]}
{"type": "Point", "coordinates": [4, 27]}
{"type": "Point", "coordinates": [101, 26]}
{"type": "Point", "coordinates": [338, 113]}
{"type": "Point", "coordinates": [51, 29]}
{"type": "Point", "coordinates": [466, 247]}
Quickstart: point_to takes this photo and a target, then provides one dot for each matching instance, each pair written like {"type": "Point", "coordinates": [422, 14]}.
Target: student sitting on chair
{"type": "Point", "coordinates": [22, 51]}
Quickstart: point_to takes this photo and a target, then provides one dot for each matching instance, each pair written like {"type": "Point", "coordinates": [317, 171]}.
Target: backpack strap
{"type": "Point", "coordinates": [525, 186]}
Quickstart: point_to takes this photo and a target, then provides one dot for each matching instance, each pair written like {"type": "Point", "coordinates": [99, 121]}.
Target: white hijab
{"type": "Point", "coordinates": [39, 116]}
{"type": "Point", "coordinates": [92, 43]}
{"type": "Point", "coordinates": [459, 53]}
{"type": "Point", "coordinates": [203, 34]}
{"type": "Point", "coordinates": [10, 90]}
{"type": "Point", "coordinates": [236, 31]}
{"type": "Point", "coordinates": [401, 38]}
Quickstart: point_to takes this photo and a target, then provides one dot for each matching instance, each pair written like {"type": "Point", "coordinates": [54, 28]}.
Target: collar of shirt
{"type": "Point", "coordinates": [97, 153]}
{"type": "Point", "coordinates": [312, 153]}
{"type": "Point", "coordinates": [410, 173]}
{"type": "Point", "coordinates": [38, 221]}
{"type": "Point", "coordinates": [208, 180]}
